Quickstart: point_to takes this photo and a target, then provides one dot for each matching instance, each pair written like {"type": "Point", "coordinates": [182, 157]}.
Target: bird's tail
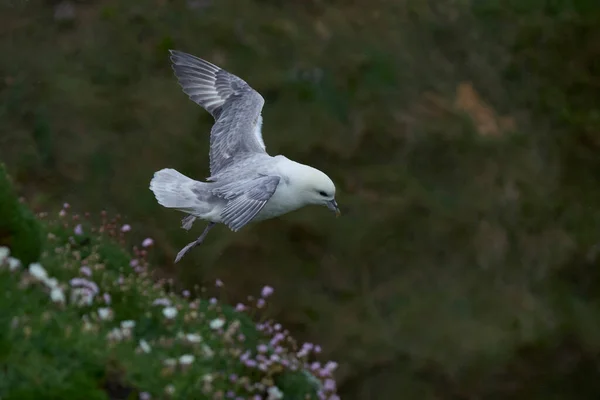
{"type": "Point", "coordinates": [172, 189]}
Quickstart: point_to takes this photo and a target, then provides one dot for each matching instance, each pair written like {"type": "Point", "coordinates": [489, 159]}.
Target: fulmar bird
{"type": "Point", "coordinates": [246, 184]}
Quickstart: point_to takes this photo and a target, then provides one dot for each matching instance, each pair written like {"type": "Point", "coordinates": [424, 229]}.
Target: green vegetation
{"type": "Point", "coordinates": [462, 136]}
{"type": "Point", "coordinates": [88, 322]}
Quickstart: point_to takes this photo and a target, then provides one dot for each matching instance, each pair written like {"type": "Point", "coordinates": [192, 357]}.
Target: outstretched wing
{"type": "Point", "coordinates": [235, 106]}
{"type": "Point", "coordinates": [245, 199]}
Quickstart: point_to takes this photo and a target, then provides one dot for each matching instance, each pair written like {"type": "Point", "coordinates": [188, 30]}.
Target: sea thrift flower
{"type": "Point", "coordinates": [4, 253]}
{"type": "Point", "coordinates": [85, 270]}
{"type": "Point", "coordinates": [57, 296]}
{"type": "Point", "coordinates": [38, 272]}
{"type": "Point", "coordinates": [126, 228]}
{"type": "Point", "coordinates": [218, 283]}
{"type": "Point", "coordinates": [329, 385]}
{"type": "Point", "coordinates": [212, 301]}
{"type": "Point", "coordinates": [277, 338]}
{"type": "Point", "coordinates": [169, 312]}
{"type": "Point", "coordinates": [51, 283]}
{"type": "Point", "coordinates": [170, 362]}
{"type": "Point", "coordinates": [186, 359]}
{"type": "Point", "coordinates": [217, 323]}
{"type": "Point", "coordinates": [240, 307]}
{"type": "Point", "coordinates": [78, 230]}
{"type": "Point", "coordinates": [274, 393]}
{"type": "Point", "coordinates": [105, 313]}
{"type": "Point", "coordinates": [193, 338]}
{"type": "Point", "coordinates": [262, 348]}
{"type": "Point", "coordinates": [75, 282]}
{"type": "Point", "coordinates": [162, 302]}
{"type": "Point", "coordinates": [107, 298]}
{"type": "Point", "coordinates": [330, 366]}
{"type": "Point", "coordinates": [250, 363]}
{"type": "Point", "coordinates": [267, 291]}
{"type": "Point", "coordinates": [260, 303]}
{"type": "Point", "coordinates": [13, 263]}
{"type": "Point", "coordinates": [127, 324]}
{"type": "Point", "coordinates": [147, 242]}
{"type": "Point", "coordinates": [208, 352]}
{"type": "Point", "coordinates": [82, 296]}
{"type": "Point", "coordinates": [145, 346]}
{"type": "Point", "coordinates": [115, 335]}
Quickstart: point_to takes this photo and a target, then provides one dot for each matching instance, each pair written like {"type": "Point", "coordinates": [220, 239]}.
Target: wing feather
{"type": "Point", "coordinates": [245, 199]}
{"type": "Point", "coordinates": [235, 106]}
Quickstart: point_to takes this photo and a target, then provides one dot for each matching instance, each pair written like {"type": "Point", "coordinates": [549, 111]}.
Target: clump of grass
{"type": "Point", "coordinates": [19, 228]}
{"type": "Point", "coordinates": [88, 317]}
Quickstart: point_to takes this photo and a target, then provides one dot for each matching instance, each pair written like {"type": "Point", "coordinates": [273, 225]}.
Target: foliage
{"type": "Point", "coordinates": [88, 321]}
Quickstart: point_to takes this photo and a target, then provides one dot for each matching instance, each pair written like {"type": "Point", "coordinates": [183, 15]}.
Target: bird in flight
{"type": "Point", "coordinates": [246, 184]}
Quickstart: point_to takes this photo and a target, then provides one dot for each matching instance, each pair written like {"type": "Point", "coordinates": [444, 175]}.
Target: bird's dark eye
{"type": "Point", "coordinates": [322, 193]}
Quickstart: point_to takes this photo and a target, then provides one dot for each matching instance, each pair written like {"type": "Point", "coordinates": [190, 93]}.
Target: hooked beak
{"type": "Point", "coordinates": [332, 205]}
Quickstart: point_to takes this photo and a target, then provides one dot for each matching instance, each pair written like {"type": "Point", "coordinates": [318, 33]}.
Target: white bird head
{"type": "Point", "coordinates": [314, 187]}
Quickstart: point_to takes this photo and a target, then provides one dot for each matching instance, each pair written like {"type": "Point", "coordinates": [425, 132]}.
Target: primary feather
{"type": "Point", "coordinates": [235, 106]}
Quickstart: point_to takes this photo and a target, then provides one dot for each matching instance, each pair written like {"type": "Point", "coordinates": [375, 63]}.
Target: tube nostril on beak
{"type": "Point", "coordinates": [332, 205]}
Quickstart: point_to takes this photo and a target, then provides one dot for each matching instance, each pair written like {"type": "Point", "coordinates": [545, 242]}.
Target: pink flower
{"type": "Point", "coordinates": [262, 348]}
{"type": "Point", "coordinates": [106, 297]}
{"type": "Point", "coordinates": [218, 283]}
{"type": "Point", "coordinates": [66, 205]}
{"type": "Point", "coordinates": [186, 293]}
{"type": "Point", "coordinates": [78, 230]}
{"type": "Point", "coordinates": [307, 346]}
{"type": "Point", "coordinates": [329, 385]}
{"type": "Point", "coordinates": [162, 302]}
{"type": "Point", "coordinates": [330, 366]}
{"type": "Point", "coordinates": [126, 228]}
{"type": "Point", "coordinates": [267, 291]}
{"type": "Point", "coordinates": [260, 303]}
{"type": "Point", "coordinates": [77, 282]}
{"type": "Point", "coordinates": [147, 242]}
{"type": "Point", "coordinates": [240, 307]}
{"type": "Point", "coordinates": [250, 363]}
{"type": "Point", "coordinates": [277, 338]}
{"type": "Point", "coordinates": [85, 270]}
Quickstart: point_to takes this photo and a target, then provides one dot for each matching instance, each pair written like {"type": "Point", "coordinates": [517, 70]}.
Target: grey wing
{"type": "Point", "coordinates": [245, 199]}
{"type": "Point", "coordinates": [235, 106]}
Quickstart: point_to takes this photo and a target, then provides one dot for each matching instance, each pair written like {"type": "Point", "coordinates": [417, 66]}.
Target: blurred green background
{"type": "Point", "coordinates": [463, 136]}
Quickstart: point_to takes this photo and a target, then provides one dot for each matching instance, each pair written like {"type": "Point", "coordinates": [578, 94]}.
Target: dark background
{"type": "Point", "coordinates": [463, 137]}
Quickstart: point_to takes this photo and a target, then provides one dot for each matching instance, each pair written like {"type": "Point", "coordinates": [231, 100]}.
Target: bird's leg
{"type": "Point", "coordinates": [195, 243]}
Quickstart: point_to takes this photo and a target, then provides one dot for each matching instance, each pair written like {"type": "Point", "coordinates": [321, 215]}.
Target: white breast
{"type": "Point", "coordinates": [284, 200]}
